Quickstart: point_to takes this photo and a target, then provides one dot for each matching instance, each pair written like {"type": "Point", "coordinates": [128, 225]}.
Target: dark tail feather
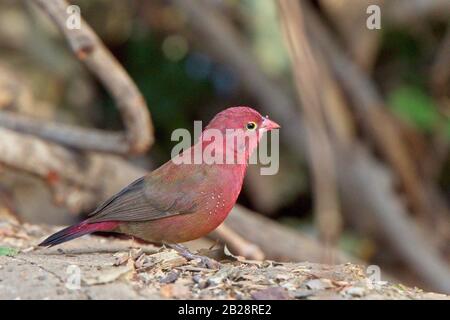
{"type": "Point", "coordinates": [76, 231]}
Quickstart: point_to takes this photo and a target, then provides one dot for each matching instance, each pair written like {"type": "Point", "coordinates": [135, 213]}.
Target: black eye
{"type": "Point", "coordinates": [251, 125]}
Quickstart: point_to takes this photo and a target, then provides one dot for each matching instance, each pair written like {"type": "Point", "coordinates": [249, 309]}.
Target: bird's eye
{"type": "Point", "coordinates": [251, 125]}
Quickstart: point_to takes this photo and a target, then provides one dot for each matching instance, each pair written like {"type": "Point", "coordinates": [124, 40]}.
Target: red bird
{"type": "Point", "coordinates": [179, 202]}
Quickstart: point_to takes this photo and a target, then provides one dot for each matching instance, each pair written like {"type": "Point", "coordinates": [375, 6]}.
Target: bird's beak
{"type": "Point", "coordinates": [269, 124]}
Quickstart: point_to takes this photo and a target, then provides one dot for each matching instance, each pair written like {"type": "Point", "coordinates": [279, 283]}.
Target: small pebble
{"type": "Point", "coordinates": [356, 291]}
{"type": "Point", "coordinates": [170, 277]}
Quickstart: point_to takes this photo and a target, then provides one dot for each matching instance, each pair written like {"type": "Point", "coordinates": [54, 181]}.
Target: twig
{"type": "Point", "coordinates": [237, 244]}
{"type": "Point", "coordinates": [97, 58]}
{"type": "Point", "coordinates": [307, 79]}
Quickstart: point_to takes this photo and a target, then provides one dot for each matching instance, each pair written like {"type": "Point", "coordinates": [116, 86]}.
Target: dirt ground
{"type": "Point", "coordinates": [95, 267]}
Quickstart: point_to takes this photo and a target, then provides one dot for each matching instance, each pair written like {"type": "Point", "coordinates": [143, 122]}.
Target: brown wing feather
{"type": "Point", "coordinates": [150, 198]}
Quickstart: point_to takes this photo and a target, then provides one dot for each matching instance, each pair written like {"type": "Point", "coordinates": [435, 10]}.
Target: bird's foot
{"type": "Point", "coordinates": [205, 262]}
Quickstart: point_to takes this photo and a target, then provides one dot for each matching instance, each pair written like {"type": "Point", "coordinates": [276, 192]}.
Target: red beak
{"type": "Point", "coordinates": [270, 125]}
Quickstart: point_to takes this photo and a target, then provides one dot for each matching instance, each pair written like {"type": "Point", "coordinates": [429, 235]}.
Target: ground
{"type": "Point", "coordinates": [95, 267]}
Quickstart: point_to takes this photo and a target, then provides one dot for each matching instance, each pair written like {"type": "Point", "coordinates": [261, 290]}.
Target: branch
{"type": "Point", "coordinates": [408, 12]}
{"type": "Point", "coordinates": [361, 173]}
{"type": "Point", "coordinates": [97, 58]}
{"type": "Point", "coordinates": [71, 136]}
{"type": "Point", "coordinates": [425, 199]}
{"type": "Point", "coordinates": [278, 242]}
{"type": "Point", "coordinates": [60, 166]}
{"type": "Point", "coordinates": [308, 83]}
{"type": "Point", "coordinates": [237, 243]}
{"type": "Point", "coordinates": [370, 105]}
{"type": "Point", "coordinates": [440, 70]}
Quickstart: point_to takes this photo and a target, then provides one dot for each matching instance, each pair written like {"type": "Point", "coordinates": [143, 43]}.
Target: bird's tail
{"type": "Point", "coordinates": [76, 231]}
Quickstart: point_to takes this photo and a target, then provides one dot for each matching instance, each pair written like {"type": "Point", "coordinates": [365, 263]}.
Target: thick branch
{"type": "Point", "coordinates": [71, 136]}
{"type": "Point", "coordinates": [56, 164]}
{"type": "Point", "coordinates": [369, 104]}
{"type": "Point", "coordinates": [97, 58]}
{"type": "Point", "coordinates": [308, 83]}
{"type": "Point", "coordinates": [372, 110]}
{"type": "Point", "coordinates": [391, 218]}
{"type": "Point", "coordinates": [278, 242]}
{"type": "Point", "coordinates": [237, 243]}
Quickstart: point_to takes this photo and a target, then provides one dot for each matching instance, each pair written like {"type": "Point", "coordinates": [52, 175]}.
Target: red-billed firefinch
{"type": "Point", "coordinates": [180, 202]}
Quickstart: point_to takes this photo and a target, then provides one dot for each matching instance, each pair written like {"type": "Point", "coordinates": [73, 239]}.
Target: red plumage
{"type": "Point", "coordinates": [179, 202]}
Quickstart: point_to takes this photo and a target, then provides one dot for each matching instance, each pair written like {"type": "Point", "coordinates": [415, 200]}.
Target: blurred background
{"type": "Point", "coordinates": [365, 138]}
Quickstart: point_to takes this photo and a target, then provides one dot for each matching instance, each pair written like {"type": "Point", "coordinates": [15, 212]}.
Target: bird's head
{"type": "Point", "coordinates": [242, 126]}
{"type": "Point", "coordinates": [244, 118]}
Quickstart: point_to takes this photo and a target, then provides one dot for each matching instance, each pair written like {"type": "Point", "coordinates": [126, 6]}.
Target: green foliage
{"type": "Point", "coordinates": [412, 104]}
{"type": "Point", "coordinates": [402, 45]}
{"type": "Point", "coordinates": [166, 86]}
{"type": "Point", "coordinates": [5, 251]}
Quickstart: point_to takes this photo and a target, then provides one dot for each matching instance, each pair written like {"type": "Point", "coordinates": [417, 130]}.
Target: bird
{"type": "Point", "coordinates": [181, 200]}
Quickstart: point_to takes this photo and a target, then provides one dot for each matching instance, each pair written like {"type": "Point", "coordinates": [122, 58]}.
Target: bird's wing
{"type": "Point", "coordinates": [148, 198]}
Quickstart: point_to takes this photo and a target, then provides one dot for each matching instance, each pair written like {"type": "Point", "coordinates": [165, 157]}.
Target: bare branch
{"type": "Point", "coordinates": [237, 243]}
{"type": "Point", "coordinates": [308, 82]}
{"type": "Point", "coordinates": [289, 245]}
{"type": "Point", "coordinates": [369, 104]}
{"type": "Point", "coordinates": [408, 12]}
{"type": "Point", "coordinates": [97, 58]}
{"type": "Point", "coordinates": [58, 165]}
{"type": "Point", "coordinates": [391, 217]}
{"type": "Point", "coordinates": [71, 136]}
{"type": "Point", "coordinates": [440, 70]}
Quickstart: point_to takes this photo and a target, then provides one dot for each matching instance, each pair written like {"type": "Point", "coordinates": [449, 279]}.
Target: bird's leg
{"type": "Point", "coordinates": [184, 252]}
